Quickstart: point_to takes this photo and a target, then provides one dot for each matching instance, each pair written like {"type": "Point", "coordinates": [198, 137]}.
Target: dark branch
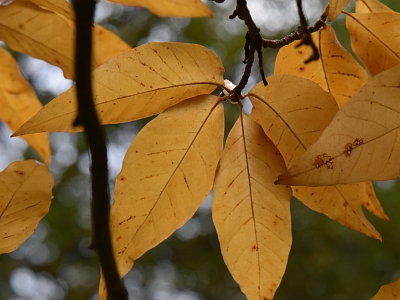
{"type": "Point", "coordinates": [87, 117]}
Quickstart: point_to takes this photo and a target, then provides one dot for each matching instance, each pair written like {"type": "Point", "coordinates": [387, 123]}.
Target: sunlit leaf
{"type": "Point", "coordinates": [373, 41]}
{"type": "Point", "coordinates": [361, 143]}
{"type": "Point", "coordinates": [167, 173]}
{"type": "Point", "coordinates": [335, 8]}
{"type": "Point", "coordinates": [27, 28]}
{"type": "Point", "coordinates": [26, 193]}
{"type": "Point", "coordinates": [389, 291]}
{"type": "Point", "coordinates": [18, 103]}
{"type": "Point", "coordinates": [282, 116]}
{"type": "Point", "coordinates": [250, 213]}
{"type": "Point", "coordinates": [171, 8]}
{"type": "Point", "coordinates": [336, 72]}
{"type": "Point", "coordinates": [139, 83]}
{"type": "Point", "coordinates": [367, 6]}
{"type": "Point", "coordinates": [61, 7]}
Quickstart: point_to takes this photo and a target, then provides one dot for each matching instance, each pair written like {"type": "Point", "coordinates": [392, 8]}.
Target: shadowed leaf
{"type": "Point", "coordinates": [137, 84]}
{"type": "Point", "coordinates": [250, 213]}
{"type": "Point", "coordinates": [282, 116]}
{"type": "Point", "coordinates": [336, 72]}
{"type": "Point", "coordinates": [167, 173]}
{"type": "Point", "coordinates": [389, 291]}
{"type": "Point", "coordinates": [373, 41]}
{"type": "Point", "coordinates": [171, 8]}
{"type": "Point", "coordinates": [335, 8]}
{"type": "Point", "coordinates": [26, 193]}
{"type": "Point", "coordinates": [361, 143]}
{"type": "Point", "coordinates": [18, 103]}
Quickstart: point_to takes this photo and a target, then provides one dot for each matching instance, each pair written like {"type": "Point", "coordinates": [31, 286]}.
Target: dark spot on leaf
{"type": "Point", "coordinates": [57, 61]}
{"type": "Point", "coordinates": [312, 194]}
{"type": "Point", "coordinates": [300, 52]}
{"type": "Point", "coordinates": [345, 204]}
{"type": "Point", "coordinates": [367, 204]}
{"type": "Point", "coordinates": [297, 190]}
{"type": "Point", "coordinates": [301, 69]}
{"type": "Point", "coordinates": [20, 25]}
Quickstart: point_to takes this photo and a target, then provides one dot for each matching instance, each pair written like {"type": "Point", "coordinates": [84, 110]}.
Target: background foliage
{"type": "Point", "coordinates": [327, 261]}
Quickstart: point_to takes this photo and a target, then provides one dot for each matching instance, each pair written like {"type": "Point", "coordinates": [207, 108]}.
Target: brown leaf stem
{"type": "Point", "coordinates": [87, 117]}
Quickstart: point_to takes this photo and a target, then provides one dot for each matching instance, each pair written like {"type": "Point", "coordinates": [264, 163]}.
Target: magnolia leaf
{"type": "Point", "coordinates": [250, 213]}
{"type": "Point", "coordinates": [389, 291]}
{"type": "Point", "coordinates": [167, 173]}
{"type": "Point", "coordinates": [137, 84]}
{"type": "Point", "coordinates": [372, 39]}
{"type": "Point", "coordinates": [18, 103]}
{"type": "Point", "coordinates": [335, 8]}
{"type": "Point", "coordinates": [367, 6]}
{"type": "Point", "coordinates": [26, 193]}
{"type": "Point", "coordinates": [336, 72]}
{"type": "Point", "coordinates": [283, 121]}
{"type": "Point", "coordinates": [27, 28]}
{"type": "Point", "coordinates": [372, 203]}
{"type": "Point", "coordinates": [171, 8]}
{"type": "Point", "coordinates": [361, 142]}
{"type": "Point", "coordinates": [291, 100]}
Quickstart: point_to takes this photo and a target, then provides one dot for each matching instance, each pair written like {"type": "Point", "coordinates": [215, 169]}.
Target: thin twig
{"type": "Point", "coordinates": [87, 117]}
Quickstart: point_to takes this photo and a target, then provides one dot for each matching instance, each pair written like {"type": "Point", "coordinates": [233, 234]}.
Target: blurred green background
{"type": "Point", "coordinates": [327, 260]}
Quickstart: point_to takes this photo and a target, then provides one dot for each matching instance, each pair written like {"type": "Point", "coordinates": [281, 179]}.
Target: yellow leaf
{"type": "Point", "coordinates": [171, 8]}
{"type": "Point", "coordinates": [372, 203]}
{"type": "Point", "coordinates": [18, 103]}
{"type": "Point", "coordinates": [27, 28]}
{"type": "Point", "coordinates": [361, 142]}
{"type": "Point", "coordinates": [389, 291]}
{"type": "Point", "coordinates": [291, 100]}
{"type": "Point", "coordinates": [26, 193]}
{"type": "Point", "coordinates": [335, 8]}
{"type": "Point", "coordinates": [167, 173]}
{"type": "Point", "coordinates": [282, 117]}
{"type": "Point", "coordinates": [373, 39]}
{"type": "Point", "coordinates": [61, 7]}
{"type": "Point", "coordinates": [139, 83]}
{"type": "Point", "coordinates": [250, 213]}
{"type": "Point", "coordinates": [367, 6]}
{"type": "Point", "coordinates": [342, 203]}
{"type": "Point", "coordinates": [336, 72]}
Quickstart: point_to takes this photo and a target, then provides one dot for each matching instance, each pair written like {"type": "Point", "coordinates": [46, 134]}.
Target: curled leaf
{"type": "Point", "coordinates": [336, 72]}
{"type": "Point", "coordinates": [250, 213]}
{"type": "Point", "coordinates": [137, 84]}
{"type": "Point", "coordinates": [167, 173]}
{"type": "Point", "coordinates": [26, 193]}
{"type": "Point", "coordinates": [335, 8]}
{"type": "Point", "coordinates": [171, 8]}
{"type": "Point", "coordinates": [372, 39]}
{"type": "Point", "coordinates": [361, 143]}
{"type": "Point", "coordinates": [18, 103]}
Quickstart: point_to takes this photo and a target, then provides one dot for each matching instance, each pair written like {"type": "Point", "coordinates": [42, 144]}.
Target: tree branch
{"type": "Point", "coordinates": [101, 241]}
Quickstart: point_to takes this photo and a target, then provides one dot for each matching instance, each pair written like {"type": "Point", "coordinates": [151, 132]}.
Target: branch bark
{"type": "Point", "coordinates": [87, 117]}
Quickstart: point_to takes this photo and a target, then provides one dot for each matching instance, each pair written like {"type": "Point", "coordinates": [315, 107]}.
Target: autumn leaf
{"type": "Point", "coordinates": [27, 28]}
{"type": "Point", "coordinates": [361, 142]}
{"type": "Point", "coordinates": [250, 213]}
{"type": "Point", "coordinates": [367, 6]}
{"type": "Point", "coordinates": [61, 7]}
{"type": "Point", "coordinates": [171, 8]}
{"type": "Point", "coordinates": [372, 203]}
{"type": "Point", "coordinates": [282, 117]}
{"type": "Point", "coordinates": [336, 72]}
{"type": "Point", "coordinates": [335, 8]}
{"type": "Point", "coordinates": [139, 83]}
{"type": "Point", "coordinates": [26, 193]}
{"type": "Point", "coordinates": [18, 103]}
{"type": "Point", "coordinates": [389, 291]}
{"type": "Point", "coordinates": [167, 173]}
{"type": "Point", "coordinates": [372, 39]}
